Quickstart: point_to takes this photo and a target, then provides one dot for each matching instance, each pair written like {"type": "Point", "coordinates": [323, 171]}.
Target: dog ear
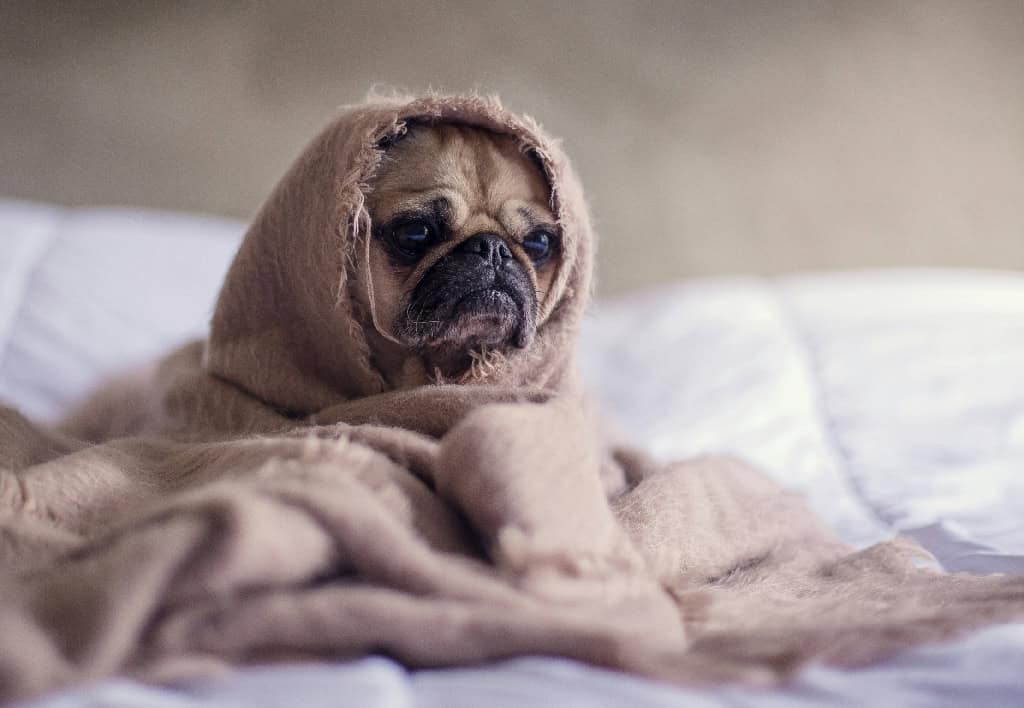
{"type": "Point", "coordinates": [406, 129]}
{"type": "Point", "coordinates": [400, 133]}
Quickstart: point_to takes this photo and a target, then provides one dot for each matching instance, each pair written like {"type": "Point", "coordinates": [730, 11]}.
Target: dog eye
{"type": "Point", "coordinates": [538, 246]}
{"type": "Point", "coordinates": [413, 237]}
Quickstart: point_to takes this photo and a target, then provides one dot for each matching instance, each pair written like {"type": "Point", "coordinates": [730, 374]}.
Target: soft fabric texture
{"type": "Point", "coordinates": [275, 499]}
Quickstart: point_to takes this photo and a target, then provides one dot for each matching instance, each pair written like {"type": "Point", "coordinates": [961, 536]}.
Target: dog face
{"type": "Point", "coordinates": [464, 243]}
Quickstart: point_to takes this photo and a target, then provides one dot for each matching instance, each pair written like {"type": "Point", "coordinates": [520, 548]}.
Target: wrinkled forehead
{"type": "Point", "coordinates": [458, 164]}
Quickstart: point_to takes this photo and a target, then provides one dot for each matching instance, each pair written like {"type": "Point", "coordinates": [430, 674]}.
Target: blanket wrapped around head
{"type": "Point", "coordinates": [280, 491]}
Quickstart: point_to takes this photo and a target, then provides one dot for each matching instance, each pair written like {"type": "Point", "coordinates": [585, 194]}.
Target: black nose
{"type": "Point", "coordinates": [490, 247]}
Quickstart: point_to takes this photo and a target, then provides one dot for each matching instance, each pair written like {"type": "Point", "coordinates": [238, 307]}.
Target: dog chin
{"type": "Point", "coordinates": [486, 318]}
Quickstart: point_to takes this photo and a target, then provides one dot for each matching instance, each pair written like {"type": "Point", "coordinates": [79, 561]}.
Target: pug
{"type": "Point", "coordinates": [464, 245]}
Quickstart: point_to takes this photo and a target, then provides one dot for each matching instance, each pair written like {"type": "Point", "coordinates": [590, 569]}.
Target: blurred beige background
{"type": "Point", "coordinates": [714, 137]}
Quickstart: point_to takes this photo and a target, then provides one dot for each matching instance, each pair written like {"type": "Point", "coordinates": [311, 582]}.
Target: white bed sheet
{"type": "Point", "coordinates": [894, 400]}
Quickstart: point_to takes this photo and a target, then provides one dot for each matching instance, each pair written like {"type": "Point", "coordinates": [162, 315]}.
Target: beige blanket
{"type": "Point", "coordinates": [268, 494]}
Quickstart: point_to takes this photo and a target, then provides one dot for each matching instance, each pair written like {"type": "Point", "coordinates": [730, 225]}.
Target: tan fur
{"type": "Point", "coordinates": [279, 493]}
{"type": "Point", "coordinates": [491, 187]}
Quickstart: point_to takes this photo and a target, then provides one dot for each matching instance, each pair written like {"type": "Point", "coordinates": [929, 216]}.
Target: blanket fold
{"type": "Point", "coordinates": [269, 495]}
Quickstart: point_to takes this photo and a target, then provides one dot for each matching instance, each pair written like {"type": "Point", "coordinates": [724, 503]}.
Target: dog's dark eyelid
{"type": "Point", "coordinates": [408, 217]}
{"type": "Point", "coordinates": [437, 213]}
{"type": "Point", "coordinates": [442, 212]}
{"type": "Point", "coordinates": [553, 232]}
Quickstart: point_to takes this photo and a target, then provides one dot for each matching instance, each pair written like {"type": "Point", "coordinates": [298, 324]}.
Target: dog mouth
{"type": "Point", "coordinates": [493, 313]}
{"type": "Point", "coordinates": [488, 316]}
{"type": "Point", "coordinates": [484, 302]}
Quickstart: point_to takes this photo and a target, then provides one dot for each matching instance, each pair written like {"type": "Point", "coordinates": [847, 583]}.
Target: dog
{"type": "Point", "coordinates": [464, 244]}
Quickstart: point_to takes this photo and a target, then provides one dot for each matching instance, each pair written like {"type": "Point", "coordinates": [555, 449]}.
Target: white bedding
{"type": "Point", "coordinates": [893, 399]}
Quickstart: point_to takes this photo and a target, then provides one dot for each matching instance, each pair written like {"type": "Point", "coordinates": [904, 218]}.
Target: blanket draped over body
{"type": "Point", "coordinates": [270, 494]}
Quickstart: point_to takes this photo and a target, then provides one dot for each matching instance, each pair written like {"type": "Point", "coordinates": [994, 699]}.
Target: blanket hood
{"type": "Point", "coordinates": [291, 326]}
